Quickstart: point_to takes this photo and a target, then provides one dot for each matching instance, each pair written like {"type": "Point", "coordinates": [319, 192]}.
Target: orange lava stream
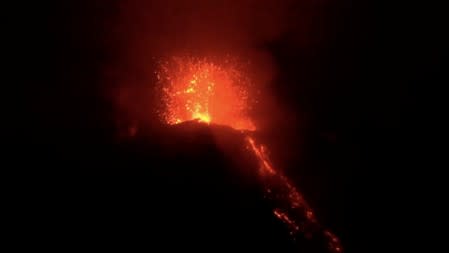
{"type": "Point", "coordinates": [291, 208]}
{"type": "Point", "coordinates": [197, 89]}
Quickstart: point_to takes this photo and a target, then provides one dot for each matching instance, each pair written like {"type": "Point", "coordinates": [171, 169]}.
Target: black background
{"type": "Point", "coordinates": [369, 97]}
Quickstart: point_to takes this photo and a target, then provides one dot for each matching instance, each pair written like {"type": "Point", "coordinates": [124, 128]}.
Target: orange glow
{"type": "Point", "coordinates": [198, 89]}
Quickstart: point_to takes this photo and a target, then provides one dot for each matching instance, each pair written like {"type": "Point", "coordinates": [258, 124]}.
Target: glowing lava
{"type": "Point", "coordinates": [290, 206]}
{"type": "Point", "coordinates": [197, 89]}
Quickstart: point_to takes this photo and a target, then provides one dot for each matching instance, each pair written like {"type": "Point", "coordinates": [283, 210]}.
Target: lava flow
{"type": "Point", "coordinates": [198, 89]}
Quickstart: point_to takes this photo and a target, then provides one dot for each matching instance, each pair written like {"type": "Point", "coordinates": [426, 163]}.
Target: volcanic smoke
{"type": "Point", "coordinates": [202, 90]}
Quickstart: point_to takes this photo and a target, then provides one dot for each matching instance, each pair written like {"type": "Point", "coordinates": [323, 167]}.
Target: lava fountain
{"type": "Point", "coordinates": [196, 89]}
{"type": "Point", "coordinates": [199, 89]}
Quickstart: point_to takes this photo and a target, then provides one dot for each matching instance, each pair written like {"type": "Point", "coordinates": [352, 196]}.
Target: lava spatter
{"type": "Point", "coordinates": [197, 89]}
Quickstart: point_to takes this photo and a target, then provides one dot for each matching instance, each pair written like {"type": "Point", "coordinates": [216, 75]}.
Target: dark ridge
{"type": "Point", "coordinates": [189, 187]}
{"type": "Point", "coordinates": [175, 191]}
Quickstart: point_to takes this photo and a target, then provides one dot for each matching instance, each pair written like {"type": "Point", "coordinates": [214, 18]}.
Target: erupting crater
{"type": "Point", "coordinates": [197, 89]}
{"type": "Point", "coordinates": [202, 90]}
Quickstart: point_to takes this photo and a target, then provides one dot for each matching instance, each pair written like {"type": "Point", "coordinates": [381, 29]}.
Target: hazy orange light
{"type": "Point", "coordinates": [198, 89]}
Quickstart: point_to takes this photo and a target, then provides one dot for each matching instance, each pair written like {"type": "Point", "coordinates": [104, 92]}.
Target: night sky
{"type": "Point", "coordinates": [352, 98]}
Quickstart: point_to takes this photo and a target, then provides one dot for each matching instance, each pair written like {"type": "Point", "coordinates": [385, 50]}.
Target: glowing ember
{"type": "Point", "coordinates": [196, 89]}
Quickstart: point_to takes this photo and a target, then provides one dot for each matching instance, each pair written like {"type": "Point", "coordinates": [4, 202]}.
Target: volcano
{"type": "Point", "coordinates": [220, 93]}
{"type": "Point", "coordinates": [191, 186]}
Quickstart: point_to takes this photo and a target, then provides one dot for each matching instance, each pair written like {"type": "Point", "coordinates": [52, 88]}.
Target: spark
{"type": "Point", "coordinates": [198, 89]}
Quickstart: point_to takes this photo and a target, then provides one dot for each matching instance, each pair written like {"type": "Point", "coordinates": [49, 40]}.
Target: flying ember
{"type": "Point", "coordinates": [197, 89]}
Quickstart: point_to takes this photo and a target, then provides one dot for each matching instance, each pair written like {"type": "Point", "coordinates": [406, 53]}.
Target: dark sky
{"type": "Point", "coordinates": [356, 80]}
